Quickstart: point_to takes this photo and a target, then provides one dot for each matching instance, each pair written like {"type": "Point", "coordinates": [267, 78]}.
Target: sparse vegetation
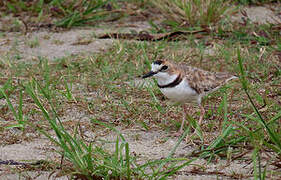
{"type": "Point", "coordinates": [65, 13]}
{"type": "Point", "coordinates": [33, 43]}
{"type": "Point", "coordinates": [192, 13]}
{"type": "Point", "coordinates": [242, 120]}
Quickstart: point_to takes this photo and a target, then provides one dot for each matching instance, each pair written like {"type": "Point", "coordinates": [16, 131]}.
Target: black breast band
{"type": "Point", "coordinates": [172, 84]}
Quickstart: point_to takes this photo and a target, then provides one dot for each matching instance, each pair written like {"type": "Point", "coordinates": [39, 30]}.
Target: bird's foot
{"type": "Point", "coordinates": [195, 139]}
{"type": "Point", "coordinates": [188, 138]}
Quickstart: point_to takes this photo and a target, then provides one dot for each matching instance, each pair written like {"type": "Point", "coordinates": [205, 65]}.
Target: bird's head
{"type": "Point", "coordinates": [159, 69]}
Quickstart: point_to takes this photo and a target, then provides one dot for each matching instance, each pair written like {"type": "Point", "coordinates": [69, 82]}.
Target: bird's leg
{"type": "Point", "coordinates": [188, 138]}
{"type": "Point", "coordinates": [179, 133]}
{"type": "Point", "coordinates": [202, 113]}
{"type": "Point", "coordinates": [183, 118]}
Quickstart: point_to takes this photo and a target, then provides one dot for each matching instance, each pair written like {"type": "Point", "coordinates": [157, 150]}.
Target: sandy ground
{"type": "Point", "coordinates": [146, 144]}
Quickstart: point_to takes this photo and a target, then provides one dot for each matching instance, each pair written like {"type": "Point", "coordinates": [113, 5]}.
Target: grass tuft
{"type": "Point", "coordinates": [84, 12]}
{"type": "Point", "coordinates": [18, 114]}
{"type": "Point", "coordinates": [88, 160]}
{"type": "Point", "coordinates": [66, 13]}
{"type": "Point", "coordinates": [192, 13]}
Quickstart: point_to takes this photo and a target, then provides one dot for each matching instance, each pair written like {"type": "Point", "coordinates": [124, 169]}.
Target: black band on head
{"type": "Point", "coordinates": [159, 62]}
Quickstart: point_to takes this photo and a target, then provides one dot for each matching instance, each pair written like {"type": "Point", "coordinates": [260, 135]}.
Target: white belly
{"type": "Point", "coordinates": [181, 93]}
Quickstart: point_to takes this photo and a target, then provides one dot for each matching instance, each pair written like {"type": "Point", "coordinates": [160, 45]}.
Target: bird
{"type": "Point", "coordinates": [186, 84]}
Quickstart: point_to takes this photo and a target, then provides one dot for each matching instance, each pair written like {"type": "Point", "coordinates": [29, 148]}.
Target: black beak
{"type": "Point", "coordinates": [151, 73]}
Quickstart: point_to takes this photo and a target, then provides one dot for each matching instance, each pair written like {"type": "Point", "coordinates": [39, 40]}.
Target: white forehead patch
{"type": "Point", "coordinates": [155, 67]}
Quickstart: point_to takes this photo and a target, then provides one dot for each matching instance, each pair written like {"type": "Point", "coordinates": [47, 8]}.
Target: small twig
{"type": "Point", "coordinates": [12, 162]}
{"type": "Point", "coordinates": [25, 26]}
{"type": "Point", "coordinates": [61, 161]}
{"type": "Point", "coordinates": [209, 150]}
{"type": "Point", "coordinates": [240, 155]}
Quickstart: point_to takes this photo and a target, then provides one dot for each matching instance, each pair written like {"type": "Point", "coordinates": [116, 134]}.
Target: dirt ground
{"type": "Point", "coordinates": [146, 144]}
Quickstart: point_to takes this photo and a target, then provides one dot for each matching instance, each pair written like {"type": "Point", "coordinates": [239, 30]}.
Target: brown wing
{"type": "Point", "coordinates": [204, 81]}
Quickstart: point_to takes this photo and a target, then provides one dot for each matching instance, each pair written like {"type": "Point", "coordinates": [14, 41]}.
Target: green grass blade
{"type": "Point", "coordinates": [11, 107]}
{"type": "Point", "coordinates": [29, 90]}
{"type": "Point", "coordinates": [155, 102]}
{"type": "Point", "coordinates": [219, 140]}
{"type": "Point", "coordinates": [273, 136]}
{"type": "Point", "coordinates": [177, 168]}
{"type": "Point", "coordinates": [255, 161]}
{"type": "Point", "coordinates": [224, 112]}
{"type": "Point", "coordinates": [172, 151]}
{"type": "Point", "coordinates": [20, 113]}
{"type": "Point", "coordinates": [128, 161]}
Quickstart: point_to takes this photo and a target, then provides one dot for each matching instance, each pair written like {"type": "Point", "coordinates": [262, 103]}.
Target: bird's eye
{"type": "Point", "coordinates": [164, 68]}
